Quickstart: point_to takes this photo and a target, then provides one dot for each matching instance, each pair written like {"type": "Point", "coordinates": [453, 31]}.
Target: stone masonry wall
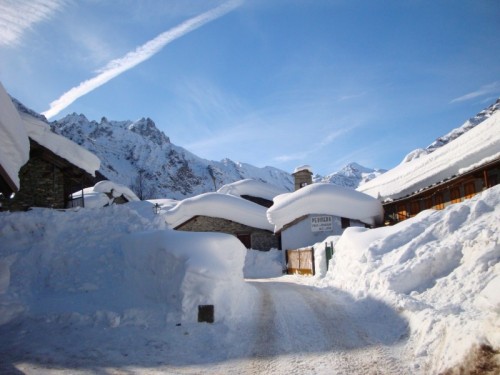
{"type": "Point", "coordinates": [42, 185]}
{"type": "Point", "coordinates": [261, 239]}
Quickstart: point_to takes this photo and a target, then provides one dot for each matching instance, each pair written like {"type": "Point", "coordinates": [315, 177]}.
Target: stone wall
{"type": "Point", "coordinates": [260, 239]}
{"type": "Point", "coordinates": [42, 185]}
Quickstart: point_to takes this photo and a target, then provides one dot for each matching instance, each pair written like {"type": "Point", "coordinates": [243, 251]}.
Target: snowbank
{"type": "Point", "coordinates": [115, 266]}
{"type": "Point", "coordinates": [253, 188]}
{"type": "Point", "coordinates": [441, 269]}
{"type": "Point", "coordinates": [222, 206]}
{"type": "Point", "coordinates": [325, 199]}
{"type": "Point", "coordinates": [195, 268]}
{"type": "Point", "coordinates": [14, 142]}
{"type": "Point", "coordinates": [475, 147]}
{"type": "Point", "coordinates": [104, 193]}
{"type": "Point", "coordinates": [263, 264]}
{"type": "Point", "coordinates": [40, 132]}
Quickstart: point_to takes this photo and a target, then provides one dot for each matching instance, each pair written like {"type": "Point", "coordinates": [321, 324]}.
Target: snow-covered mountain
{"type": "Point", "coordinates": [455, 133]}
{"type": "Point", "coordinates": [351, 176]}
{"type": "Point", "coordinates": [137, 154]}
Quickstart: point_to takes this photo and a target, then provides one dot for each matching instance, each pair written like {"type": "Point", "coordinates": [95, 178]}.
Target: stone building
{"type": "Point", "coordinates": [47, 180]}
{"type": "Point", "coordinates": [251, 237]}
{"type": "Point", "coordinates": [38, 168]}
{"type": "Point", "coordinates": [302, 176]}
{"type": "Point", "coordinates": [225, 213]}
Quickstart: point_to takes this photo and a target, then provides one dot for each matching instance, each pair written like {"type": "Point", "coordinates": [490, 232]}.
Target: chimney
{"type": "Point", "coordinates": [302, 176]}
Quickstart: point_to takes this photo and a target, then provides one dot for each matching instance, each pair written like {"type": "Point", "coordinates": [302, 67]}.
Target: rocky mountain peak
{"type": "Point", "coordinates": [147, 128]}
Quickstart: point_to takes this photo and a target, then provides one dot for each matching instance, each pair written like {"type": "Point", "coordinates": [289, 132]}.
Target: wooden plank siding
{"type": "Point", "coordinates": [441, 195]}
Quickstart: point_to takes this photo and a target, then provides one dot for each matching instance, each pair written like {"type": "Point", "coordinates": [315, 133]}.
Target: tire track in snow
{"type": "Point", "coordinates": [303, 330]}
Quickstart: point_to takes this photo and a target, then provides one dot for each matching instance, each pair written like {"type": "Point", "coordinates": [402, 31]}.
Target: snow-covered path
{"type": "Point", "coordinates": [305, 330]}
{"type": "Point", "coordinates": [297, 329]}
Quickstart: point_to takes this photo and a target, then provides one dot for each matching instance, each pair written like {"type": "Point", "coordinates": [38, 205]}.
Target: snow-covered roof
{"type": "Point", "coordinates": [303, 168]}
{"type": "Point", "coordinates": [40, 132]}
{"type": "Point", "coordinates": [253, 188]}
{"type": "Point", "coordinates": [476, 147]}
{"type": "Point", "coordinates": [14, 142]}
{"type": "Point", "coordinates": [327, 199]}
{"type": "Point", "coordinates": [96, 196]}
{"type": "Point", "coordinates": [221, 206]}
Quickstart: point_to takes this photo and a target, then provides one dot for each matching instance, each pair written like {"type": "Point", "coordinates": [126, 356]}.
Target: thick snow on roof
{"type": "Point", "coordinates": [303, 168]}
{"type": "Point", "coordinates": [474, 148]}
{"type": "Point", "coordinates": [325, 199]}
{"type": "Point", "coordinates": [14, 142]}
{"type": "Point", "coordinates": [40, 132]}
{"type": "Point", "coordinates": [221, 206]}
{"type": "Point", "coordinates": [253, 188]}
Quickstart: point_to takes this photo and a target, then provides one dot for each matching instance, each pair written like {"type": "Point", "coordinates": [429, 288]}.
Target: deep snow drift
{"type": "Point", "coordinates": [440, 269]}
{"type": "Point", "coordinates": [95, 290]}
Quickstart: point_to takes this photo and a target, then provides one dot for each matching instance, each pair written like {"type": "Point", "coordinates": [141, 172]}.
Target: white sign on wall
{"type": "Point", "coordinates": [321, 223]}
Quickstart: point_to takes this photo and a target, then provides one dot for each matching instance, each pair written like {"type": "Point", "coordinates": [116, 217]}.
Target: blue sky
{"type": "Point", "coordinates": [266, 82]}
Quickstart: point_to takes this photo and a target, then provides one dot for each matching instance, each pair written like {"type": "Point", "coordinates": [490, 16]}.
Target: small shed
{"type": "Point", "coordinates": [102, 194]}
{"type": "Point", "coordinates": [216, 212]}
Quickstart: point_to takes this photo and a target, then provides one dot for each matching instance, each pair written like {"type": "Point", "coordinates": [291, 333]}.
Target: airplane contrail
{"type": "Point", "coordinates": [142, 53]}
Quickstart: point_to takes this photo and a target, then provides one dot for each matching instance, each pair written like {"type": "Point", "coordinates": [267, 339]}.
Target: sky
{"type": "Point", "coordinates": [278, 83]}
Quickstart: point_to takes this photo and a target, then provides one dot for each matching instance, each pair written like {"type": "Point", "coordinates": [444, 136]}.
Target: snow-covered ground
{"type": "Point", "coordinates": [112, 290]}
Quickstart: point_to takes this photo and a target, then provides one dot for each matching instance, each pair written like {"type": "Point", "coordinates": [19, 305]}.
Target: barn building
{"type": "Point", "coordinates": [452, 173]}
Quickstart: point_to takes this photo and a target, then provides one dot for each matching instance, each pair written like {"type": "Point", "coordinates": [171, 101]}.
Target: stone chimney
{"type": "Point", "coordinates": [302, 176]}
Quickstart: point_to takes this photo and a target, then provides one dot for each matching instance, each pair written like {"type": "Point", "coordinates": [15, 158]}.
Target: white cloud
{"type": "Point", "coordinates": [142, 53]}
{"type": "Point", "coordinates": [483, 90]}
{"type": "Point", "coordinates": [17, 16]}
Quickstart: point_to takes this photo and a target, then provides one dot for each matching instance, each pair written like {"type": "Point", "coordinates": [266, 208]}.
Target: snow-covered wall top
{"type": "Point", "coordinates": [327, 199]}
{"type": "Point", "coordinates": [14, 142]}
{"type": "Point", "coordinates": [40, 132]}
{"type": "Point", "coordinates": [473, 148]}
{"type": "Point", "coordinates": [253, 188]}
{"type": "Point", "coordinates": [221, 206]}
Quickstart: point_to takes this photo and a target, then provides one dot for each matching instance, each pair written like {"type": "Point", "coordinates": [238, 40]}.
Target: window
{"type": "Point", "coordinates": [428, 203]}
{"type": "Point", "coordinates": [438, 202]}
{"type": "Point", "coordinates": [455, 195]}
{"type": "Point", "coordinates": [345, 222]}
{"type": "Point", "coordinates": [302, 184]}
{"type": "Point", "coordinates": [414, 208]}
{"type": "Point", "coordinates": [470, 189]}
{"type": "Point", "coordinates": [402, 213]}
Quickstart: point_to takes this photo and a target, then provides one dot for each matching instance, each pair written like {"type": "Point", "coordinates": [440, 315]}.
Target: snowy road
{"type": "Point", "coordinates": [297, 329]}
{"type": "Point", "coordinates": [305, 330]}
